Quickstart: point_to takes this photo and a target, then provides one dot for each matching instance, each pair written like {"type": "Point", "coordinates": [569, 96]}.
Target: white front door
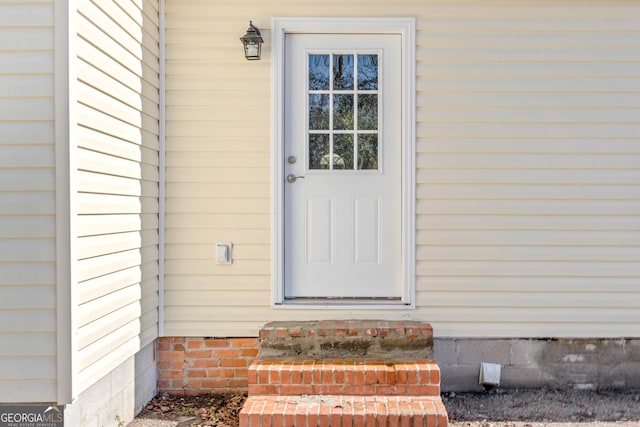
{"type": "Point", "coordinates": [343, 167]}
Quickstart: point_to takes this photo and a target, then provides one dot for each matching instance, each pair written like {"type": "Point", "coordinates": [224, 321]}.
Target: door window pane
{"type": "Point", "coordinates": [367, 112]}
{"type": "Point", "coordinates": [367, 151]}
{"type": "Point", "coordinates": [318, 111]}
{"type": "Point", "coordinates": [342, 112]}
{"type": "Point", "coordinates": [343, 151]}
{"type": "Point", "coordinates": [318, 72]}
{"type": "Point", "coordinates": [368, 72]}
{"type": "Point", "coordinates": [318, 150]}
{"type": "Point", "coordinates": [342, 72]}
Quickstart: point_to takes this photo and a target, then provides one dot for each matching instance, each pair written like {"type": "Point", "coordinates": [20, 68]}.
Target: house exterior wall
{"type": "Point", "coordinates": [27, 203]}
{"type": "Point", "coordinates": [117, 112]}
{"type": "Point", "coordinates": [527, 167]}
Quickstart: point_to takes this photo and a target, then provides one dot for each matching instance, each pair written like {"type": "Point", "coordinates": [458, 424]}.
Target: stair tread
{"type": "Point", "coordinates": [342, 409]}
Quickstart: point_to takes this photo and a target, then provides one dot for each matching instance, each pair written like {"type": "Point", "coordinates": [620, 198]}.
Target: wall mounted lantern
{"type": "Point", "coordinates": [252, 42]}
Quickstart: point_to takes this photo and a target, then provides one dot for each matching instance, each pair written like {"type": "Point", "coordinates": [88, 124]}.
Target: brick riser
{"type": "Point", "coordinates": [325, 411]}
{"type": "Point", "coordinates": [362, 377]}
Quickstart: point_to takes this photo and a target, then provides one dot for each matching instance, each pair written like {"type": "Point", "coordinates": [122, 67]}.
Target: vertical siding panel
{"type": "Point", "coordinates": [117, 181]}
{"type": "Point", "coordinates": [27, 212]}
{"type": "Point", "coordinates": [527, 155]}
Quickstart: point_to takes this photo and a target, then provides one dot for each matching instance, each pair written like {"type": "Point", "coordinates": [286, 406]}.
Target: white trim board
{"type": "Point", "coordinates": [406, 27]}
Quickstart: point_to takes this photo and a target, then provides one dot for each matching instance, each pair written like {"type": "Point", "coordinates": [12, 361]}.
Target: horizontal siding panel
{"type": "Point", "coordinates": [117, 108]}
{"type": "Point", "coordinates": [91, 268]}
{"type": "Point", "coordinates": [205, 251]}
{"type": "Point", "coordinates": [111, 243]}
{"type": "Point", "coordinates": [96, 287]}
{"type": "Point", "coordinates": [28, 321]}
{"type": "Point", "coordinates": [14, 180]}
{"type": "Point", "coordinates": [194, 220]}
{"type": "Point", "coordinates": [29, 109]}
{"type": "Point", "coordinates": [216, 144]}
{"type": "Point", "coordinates": [33, 86]}
{"type": "Point", "coordinates": [248, 267]}
{"type": "Point", "coordinates": [40, 133]}
{"type": "Point", "coordinates": [118, 353]}
{"type": "Point", "coordinates": [529, 161]}
{"type": "Point", "coordinates": [92, 310]}
{"type": "Point", "coordinates": [27, 345]}
{"type": "Point", "coordinates": [103, 122]}
{"type": "Point", "coordinates": [529, 115]}
{"type": "Point", "coordinates": [145, 84]}
{"type": "Point", "coordinates": [216, 297]}
{"type": "Point", "coordinates": [257, 176]}
{"type": "Point", "coordinates": [231, 189]}
{"type": "Point", "coordinates": [539, 176]}
{"type": "Point", "coordinates": [530, 146]}
{"type": "Point", "coordinates": [525, 300]}
{"type": "Point", "coordinates": [528, 99]}
{"type": "Point", "coordinates": [30, 369]}
{"type": "Point", "coordinates": [218, 206]}
{"type": "Point", "coordinates": [28, 39]}
{"type": "Point", "coordinates": [515, 269]}
{"type": "Point", "coordinates": [220, 282]}
{"type": "Point", "coordinates": [524, 84]}
{"type": "Point", "coordinates": [526, 69]}
{"type": "Point", "coordinates": [623, 223]}
{"type": "Point", "coordinates": [513, 238]}
{"type": "Point", "coordinates": [27, 227]}
{"type": "Point", "coordinates": [214, 161]}
{"type": "Point", "coordinates": [108, 324]}
{"type": "Point", "coordinates": [27, 250]}
{"type": "Point", "coordinates": [27, 274]}
{"type": "Point", "coordinates": [558, 253]}
{"type": "Point", "coordinates": [28, 391]}
{"type": "Point", "coordinates": [532, 315]}
{"type": "Point", "coordinates": [27, 298]}
{"type": "Point", "coordinates": [34, 62]}
{"type": "Point", "coordinates": [507, 285]}
{"type": "Point", "coordinates": [109, 344]}
{"type": "Point", "coordinates": [116, 166]}
{"type": "Point", "coordinates": [530, 207]}
{"type": "Point", "coordinates": [89, 204]}
{"type": "Point", "coordinates": [209, 235]}
{"type": "Point", "coordinates": [93, 225]}
{"type": "Point", "coordinates": [24, 14]}
{"type": "Point", "coordinates": [27, 203]}
{"type": "Point", "coordinates": [26, 156]}
{"type": "Point", "coordinates": [532, 191]}
{"type": "Point", "coordinates": [99, 142]}
{"type": "Point", "coordinates": [524, 130]}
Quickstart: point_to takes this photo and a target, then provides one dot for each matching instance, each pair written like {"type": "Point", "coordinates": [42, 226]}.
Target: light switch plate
{"type": "Point", "coordinates": [224, 254]}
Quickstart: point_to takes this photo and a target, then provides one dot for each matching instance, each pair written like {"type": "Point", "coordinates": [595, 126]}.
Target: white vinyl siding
{"type": "Point", "coordinates": [117, 156]}
{"type": "Point", "coordinates": [27, 204]}
{"type": "Point", "coordinates": [528, 167]}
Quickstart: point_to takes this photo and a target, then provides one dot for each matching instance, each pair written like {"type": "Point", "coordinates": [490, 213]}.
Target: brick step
{"type": "Point", "coordinates": [364, 377]}
{"type": "Point", "coordinates": [331, 410]}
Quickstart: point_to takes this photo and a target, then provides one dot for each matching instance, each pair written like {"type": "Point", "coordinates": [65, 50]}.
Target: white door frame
{"type": "Point", "coordinates": [406, 28]}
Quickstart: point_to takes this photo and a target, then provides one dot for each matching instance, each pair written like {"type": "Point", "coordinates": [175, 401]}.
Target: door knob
{"type": "Point", "coordinates": [291, 178]}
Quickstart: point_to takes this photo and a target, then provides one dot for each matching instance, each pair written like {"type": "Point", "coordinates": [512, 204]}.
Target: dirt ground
{"type": "Point", "coordinates": [496, 408]}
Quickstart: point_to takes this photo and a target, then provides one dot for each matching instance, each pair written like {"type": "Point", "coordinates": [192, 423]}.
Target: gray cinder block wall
{"type": "Point", "coordinates": [116, 398]}
{"type": "Point", "coordinates": [591, 364]}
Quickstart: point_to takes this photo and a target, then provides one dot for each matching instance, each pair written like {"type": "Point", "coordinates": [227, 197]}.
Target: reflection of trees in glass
{"type": "Point", "coordinates": [318, 111]}
{"type": "Point", "coordinates": [343, 149]}
{"type": "Point", "coordinates": [335, 72]}
{"type": "Point", "coordinates": [367, 112]}
{"type": "Point", "coordinates": [368, 72]}
{"type": "Point", "coordinates": [318, 148]}
{"type": "Point", "coordinates": [343, 112]}
{"type": "Point", "coordinates": [367, 151]}
{"type": "Point", "coordinates": [318, 72]}
{"type": "Point", "coordinates": [342, 72]}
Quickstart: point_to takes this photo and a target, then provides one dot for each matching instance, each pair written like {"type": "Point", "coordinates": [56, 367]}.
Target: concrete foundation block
{"type": "Point", "coordinates": [475, 351]}
{"type": "Point", "coordinates": [444, 351]}
{"type": "Point", "coordinates": [460, 378]}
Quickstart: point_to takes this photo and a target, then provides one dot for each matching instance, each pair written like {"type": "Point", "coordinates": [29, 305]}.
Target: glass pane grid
{"type": "Point", "coordinates": [343, 111]}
